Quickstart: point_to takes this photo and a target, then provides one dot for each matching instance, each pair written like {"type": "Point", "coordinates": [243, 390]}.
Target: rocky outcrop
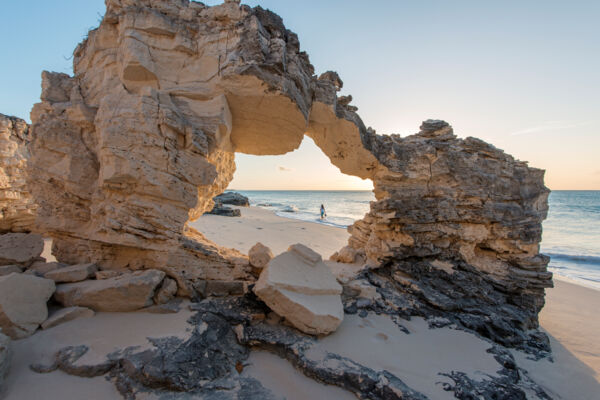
{"type": "Point", "coordinates": [23, 306]}
{"type": "Point", "coordinates": [20, 248]}
{"type": "Point", "coordinates": [140, 140]}
{"type": "Point", "coordinates": [298, 286]}
{"type": "Point", "coordinates": [456, 227]}
{"type": "Point", "coordinates": [232, 198]}
{"type": "Point", "coordinates": [127, 292]}
{"type": "Point", "coordinates": [17, 209]}
{"type": "Point", "coordinates": [5, 355]}
{"type": "Point", "coordinates": [67, 314]}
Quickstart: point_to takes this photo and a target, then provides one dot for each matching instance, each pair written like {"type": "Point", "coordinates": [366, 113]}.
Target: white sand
{"type": "Point", "coordinates": [278, 233]}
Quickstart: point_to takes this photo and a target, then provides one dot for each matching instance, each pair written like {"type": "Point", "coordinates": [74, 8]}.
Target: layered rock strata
{"type": "Point", "coordinates": [17, 209]}
{"type": "Point", "coordinates": [143, 136]}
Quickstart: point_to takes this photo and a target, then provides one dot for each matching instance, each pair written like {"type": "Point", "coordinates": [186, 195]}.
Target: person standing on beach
{"type": "Point", "coordinates": [323, 214]}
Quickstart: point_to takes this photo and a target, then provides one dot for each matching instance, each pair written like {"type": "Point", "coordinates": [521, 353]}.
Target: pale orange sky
{"type": "Point", "coordinates": [304, 169]}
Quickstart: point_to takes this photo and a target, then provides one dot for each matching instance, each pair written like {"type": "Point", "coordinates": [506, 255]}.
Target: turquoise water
{"type": "Point", "coordinates": [571, 233]}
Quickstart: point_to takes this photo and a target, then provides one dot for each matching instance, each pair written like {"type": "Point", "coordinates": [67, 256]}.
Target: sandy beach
{"type": "Point", "coordinates": [417, 357]}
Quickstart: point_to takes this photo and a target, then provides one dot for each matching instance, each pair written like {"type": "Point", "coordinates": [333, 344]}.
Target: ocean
{"type": "Point", "coordinates": [571, 232]}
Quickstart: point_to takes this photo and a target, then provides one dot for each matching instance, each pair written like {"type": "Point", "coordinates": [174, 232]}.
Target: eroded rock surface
{"type": "Point", "coordinates": [298, 286]}
{"type": "Point", "coordinates": [17, 209]}
{"type": "Point", "coordinates": [23, 301]}
{"type": "Point", "coordinates": [139, 141]}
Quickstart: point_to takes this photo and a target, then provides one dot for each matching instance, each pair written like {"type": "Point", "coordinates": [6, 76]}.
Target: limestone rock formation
{"type": "Point", "coordinates": [23, 306]}
{"type": "Point", "coordinates": [298, 286]}
{"type": "Point", "coordinates": [140, 140]}
{"type": "Point", "coordinates": [232, 198]}
{"type": "Point", "coordinates": [17, 209]}
{"type": "Point", "coordinates": [5, 354]}
{"type": "Point", "coordinates": [67, 314]}
{"type": "Point", "coordinates": [127, 292]}
{"type": "Point", "coordinates": [20, 248]}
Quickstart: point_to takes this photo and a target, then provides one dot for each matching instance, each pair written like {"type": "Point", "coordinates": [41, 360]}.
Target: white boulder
{"type": "Point", "coordinates": [300, 287]}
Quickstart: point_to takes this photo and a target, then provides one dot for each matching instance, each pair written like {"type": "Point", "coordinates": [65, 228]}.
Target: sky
{"type": "Point", "coordinates": [522, 75]}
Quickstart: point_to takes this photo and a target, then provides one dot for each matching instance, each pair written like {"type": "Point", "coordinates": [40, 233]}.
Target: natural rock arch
{"type": "Point", "coordinates": [142, 137]}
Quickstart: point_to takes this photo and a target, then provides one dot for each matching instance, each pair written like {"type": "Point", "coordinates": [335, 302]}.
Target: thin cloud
{"type": "Point", "coordinates": [284, 169]}
{"type": "Point", "coordinates": [550, 126]}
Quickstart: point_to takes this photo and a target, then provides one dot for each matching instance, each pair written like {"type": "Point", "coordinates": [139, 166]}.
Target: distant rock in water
{"type": "Point", "coordinates": [290, 209]}
{"type": "Point", "coordinates": [224, 211]}
{"type": "Point", "coordinates": [232, 198]}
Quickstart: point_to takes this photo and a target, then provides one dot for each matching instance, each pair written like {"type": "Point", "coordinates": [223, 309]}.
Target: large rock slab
{"type": "Point", "coordinates": [20, 248]}
{"type": "Point", "coordinates": [127, 292]}
{"type": "Point", "coordinates": [170, 105]}
{"type": "Point", "coordinates": [300, 287]}
{"type": "Point", "coordinates": [23, 301]}
{"type": "Point", "coordinates": [73, 273]}
{"type": "Point", "coordinates": [5, 355]}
